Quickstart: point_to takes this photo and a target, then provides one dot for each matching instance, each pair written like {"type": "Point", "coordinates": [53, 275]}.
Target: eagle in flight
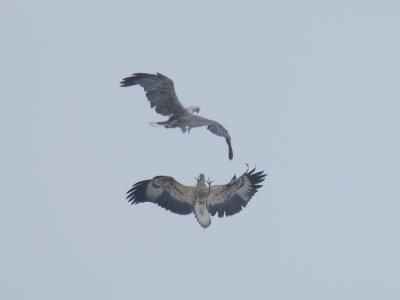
{"type": "Point", "coordinates": [160, 92]}
{"type": "Point", "coordinates": [203, 199]}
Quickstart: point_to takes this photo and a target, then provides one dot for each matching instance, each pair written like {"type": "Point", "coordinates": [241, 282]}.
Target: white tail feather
{"type": "Point", "coordinates": [202, 214]}
{"type": "Point", "coordinates": [154, 124]}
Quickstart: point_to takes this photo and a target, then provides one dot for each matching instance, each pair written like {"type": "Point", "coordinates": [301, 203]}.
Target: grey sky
{"type": "Point", "coordinates": [309, 91]}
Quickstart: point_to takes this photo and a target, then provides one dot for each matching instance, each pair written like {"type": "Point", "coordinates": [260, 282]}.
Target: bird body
{"type": "Point", "coordinates": [160, 92]}
{"type": "Point", "coordinates": [203, 199]}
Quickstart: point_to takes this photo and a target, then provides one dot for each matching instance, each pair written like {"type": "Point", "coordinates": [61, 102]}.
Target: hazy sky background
{"type": "Point", "coordinates": [309, 91]}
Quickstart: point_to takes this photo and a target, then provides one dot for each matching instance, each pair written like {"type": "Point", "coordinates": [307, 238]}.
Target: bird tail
{"type": "Point", "coordinates": [202, 214]}
{"type": "Point", "coordinates": [155, 124]}
{"type": "Point", "coordinates": [166, 124]}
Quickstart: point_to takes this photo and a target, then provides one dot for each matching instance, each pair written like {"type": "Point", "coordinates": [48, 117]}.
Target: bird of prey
{"type": "Point", "coordinates": [160, 92]}
{"type": "Point", "coordinates": [203, 199]}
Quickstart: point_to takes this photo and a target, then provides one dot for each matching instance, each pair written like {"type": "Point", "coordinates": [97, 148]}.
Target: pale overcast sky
{"type": "Point", "coordinates": [309, 91]}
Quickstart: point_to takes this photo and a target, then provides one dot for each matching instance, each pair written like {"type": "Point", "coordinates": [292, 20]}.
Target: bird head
{"type": "Point", "coordinates": [193, 109]}
{"type": "Point", "coordinates": [200, 178]}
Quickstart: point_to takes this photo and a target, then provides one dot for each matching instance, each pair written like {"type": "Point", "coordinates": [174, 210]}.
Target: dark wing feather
{"type": "Point", "coordinates": [219, 130]}
{"type": "Point", "coordinates": [164, 191]}
{"type": "Point", "coordinates": [229, 199]}
{"type": "Point", "coordinates": [159, 90]}
{"type": "Point", "coordinates": [214, 127]}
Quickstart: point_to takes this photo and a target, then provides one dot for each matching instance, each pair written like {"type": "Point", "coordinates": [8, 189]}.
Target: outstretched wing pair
{"type": "Point", "coordinates": [226, 199]}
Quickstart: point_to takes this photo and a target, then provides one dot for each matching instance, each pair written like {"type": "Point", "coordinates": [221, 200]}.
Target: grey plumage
{"type": "Point", "coordinates": [204, 200]}
{"type": "Point", "coordinates": [160, 92]}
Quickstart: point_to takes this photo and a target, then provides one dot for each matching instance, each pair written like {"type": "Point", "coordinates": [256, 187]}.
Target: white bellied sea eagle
{"type": "Point", "coordinates": [204, 199]}
{"type": "Point", "coordinates": [160, 92]}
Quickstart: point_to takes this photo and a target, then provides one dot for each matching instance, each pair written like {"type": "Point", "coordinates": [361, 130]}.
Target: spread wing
{"type": "Point", "coordinates": [164, 191]}
{"type": "Point", "coordinates": [230, 198]}
{"type": "Point", "coordinates": [159, 90]}
{"type": "Point", "coordinates": [214, 127]}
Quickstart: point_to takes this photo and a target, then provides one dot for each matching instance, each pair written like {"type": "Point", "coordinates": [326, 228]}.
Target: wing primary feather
{"type": "Point", "coordinates": [228, 141]}
{"type": "Point", "coordinates": [219, 130]}
{"type": "Point", "coordinates": [137, 193]}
